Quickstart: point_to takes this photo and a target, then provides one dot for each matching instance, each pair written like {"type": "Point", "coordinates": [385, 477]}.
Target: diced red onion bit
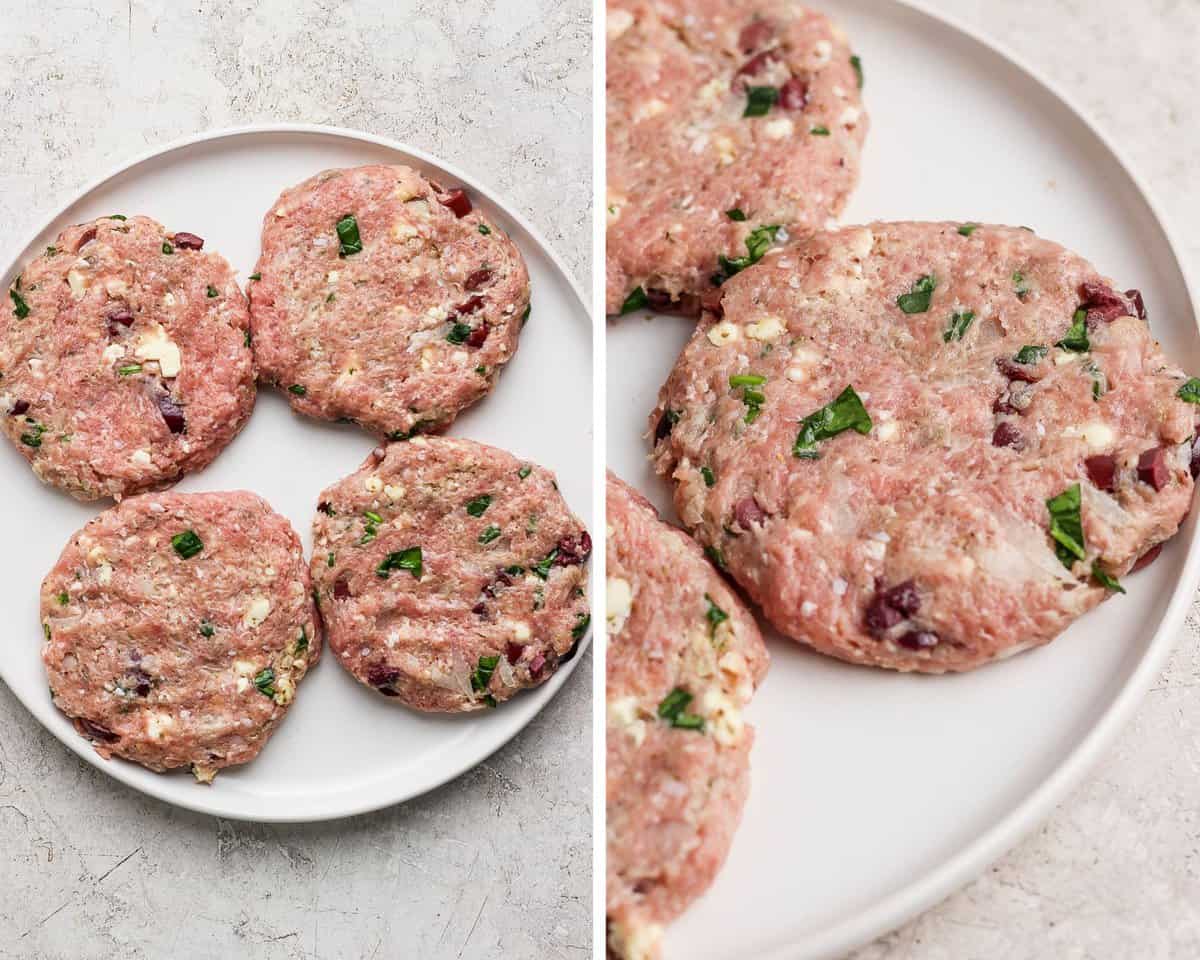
{"type": "Point", "coordinates": [383, 678]}
{"type": "Point", "coordinates": [1194, 463]}
{"type": "Point", "coordinates": [573, 549]}
{"type": "Point", "coordinates": [888, 607]}
{"type": "Point", "coordinates": [1006, 435]}
{"type": "Point", "coordinates": [172, 414]}
{"type": "Point", "coordinates": [1152, 468]}
{"type": "Point", "coordinates": [754, 35]}
{"type": "Point", "coordinates": [188, 241]}
{"type": "Point", "coordinates": [476, 280]}
{"type": "Point", "coordinates": [18, 408]}
{"type": "Point", "coordinates": [536, 665]}
{"type": "Point", "coordinates": [747, 513]}
{"type": "Point", "coordinates": [1146, 558]}
{"type": "Point", "coordinates": [793, 95]}
{"type": "Point", "coordinates": [457, 201]}
{"type": "Point", "coordinates": [1102, 471]}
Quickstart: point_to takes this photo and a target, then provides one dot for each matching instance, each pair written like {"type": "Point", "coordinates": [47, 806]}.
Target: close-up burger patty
{"type": "Point", "coordinates": [684, 656]}
{"type": "Point", "coordinates": [125, 359]}
{"type": "Point", "coordinates": [383, 298]}
{"type": "Point", "coordinates": [926, 446]}
{"type": "Point", "coordinates": [178, 627]}
{"type": "Point", "coordinates": [731, 124]}
{"type": "Point", "coordinates": [451, 574]}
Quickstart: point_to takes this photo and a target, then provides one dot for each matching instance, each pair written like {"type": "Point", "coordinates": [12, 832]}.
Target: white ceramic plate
{"type": "Point", "coordinates": [341, 750]}
{"type": "Point", "coordinates": [875, 795]}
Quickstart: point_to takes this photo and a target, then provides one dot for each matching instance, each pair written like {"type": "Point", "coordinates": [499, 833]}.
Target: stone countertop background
{"type": "Point", "coordinates": [497, 863]}
{"type": "Point", "coordinates": [1115, 872]}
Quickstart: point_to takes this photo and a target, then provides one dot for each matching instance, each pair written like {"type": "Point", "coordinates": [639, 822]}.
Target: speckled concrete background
{"type": "Point", "coordinates": [1115, 872]}
{"type": "Point", "coordinates": [497, 864]}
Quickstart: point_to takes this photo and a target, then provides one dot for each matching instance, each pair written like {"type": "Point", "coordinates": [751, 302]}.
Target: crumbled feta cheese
{"type": "Point", "coordinates": [157, 724]}
{"type": "Point", "coordinates": [141, 458]}
{"type": "Point", "coordinates": [520, 630]}
{"type": "Point", "coordinates": [714, 90]}
{"type": "Point", "coordinates": [332, 277]}
{"type": "Point", "coordinates": [651, 108]}
{"type": "Point", "coordinates": [617, 23]}
{"type": "Point", "coordinates": [886, 430]}
{"type": "Point", "coordinates": [156, 345]}
{"type": "Point", "coordinates": [723, 333]}
{"type": "Point", "coordinates": [168, 299]}
{"type": "Point", "coordinates": [725, 151]}
{"type": "Point", "coordinates": [807, 608]}
{"type": "Point", "coordinates": [403, 230]}
{"type": "Point", "coordinates": [779, 128]}
{"type": "Point", "coordinates": [822, 52]}
{"type": "Point", "coordinates": [37, 367]}
{"type": "Point", "coordinates": [849, 116]}
{"type": "Point", "coordinates": [723, 717]}
{"type": "Point", "coordinates": [116, 287]}
{"type": "Point", "coordinates": [373, 484]}
{"type": "Point", "coordinates": [78, 284]}
{"type": "Point", "coordinates": [256, 612]}
{"type": "Point", "coordinates": [393, 492]}
{"type": "Point", "coordinates": [635, 943]}
{"type": "Point", "coordinates": [1096, 434]}
{"type": "Point", "coordinates": [768, 328]}
{"type": "Point", "coordinates": [104, 574]}
{"type": "Point", "coordinates": [618, 602]}
{"type": "Point", "coordinates": [112, 353]}
{"type": "Point", "coordinates": [839, 586]}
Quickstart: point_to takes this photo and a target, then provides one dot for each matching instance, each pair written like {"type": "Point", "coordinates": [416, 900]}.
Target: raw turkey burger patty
{"type": "Point", "coordinates": [684, 657]}
{"type": "Point", "coordinates": [926, 446]}
{"type": "Point", "coordinates": [451, 574]}
{"type": "Point", "coordinates": [178, 627]}
{"type": "Point", "coordinates": [730, 124]}
{"type": "Point", "coordinates": [384, 299]}
{"type": "Point", "coordinates": [125, 358]}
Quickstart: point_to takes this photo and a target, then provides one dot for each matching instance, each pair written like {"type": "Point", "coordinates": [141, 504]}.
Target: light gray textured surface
{"type": "Point", "coordinates": [497, 863]}
{"type": "Point", "coordinates": [1115, 872]}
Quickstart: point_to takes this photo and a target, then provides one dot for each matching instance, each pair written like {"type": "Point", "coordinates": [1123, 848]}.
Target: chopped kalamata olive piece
{"type": "Point", "coordinates": [793, 95]}
{"type": "Point", "coordinates": [904, 597]}
{"type": "Point", "coordinates": [880, 615]}
{"type": "Point", "coordinates": [18, 408]}
{"type": "Point", "coordinates": [748, 513]}
{"type": "Point", "coordinates": [1003, 404]}
{"type": "Point", "coordinates": [188, 241]}
{"type": "Point", "coordinates": [478, 336]}
{"type": "Point", "coordinates": [888, 607]}
{"type": "Point", "coordinates": [172, 413]}
{"type": "Point", "coordinates": [710, 300]}
{"type": "Point", "coordinates": [1103, 304]}
{"type": "Point", "coordinates": [1146, 558]}
{"type": "Point", "coordinates": [1152, 468]}
{"type": "Point", "coordinates": [754, 35]}
{"type": "Point", "coordinates": [95, 731]}
{"type": "Point", "coordinates": [383, 678]}
{"type": "Point", "coordinates": [751, 67]}
{"type": "Point", "coordinates": [513, 651]}
{"type": "Point", "coordinates": [919, 640]}
{"type": "Point", "coordinates": [119, 320]}
{"type": "Point", "coordinates": [1006, 435]}
{"type": "Point", "coordinates": [666, 424]}
{"type": "Point", "coordinates": [341, 589]}
{"type": "Point", "coordinates": [457, 200]}
{"type": "Point", "coordinates": [687, 304]}
{"type": "Point", "coordinates": [477, 279]}
{"type": "Point", "coordinates": [469, 306]}
{"type": "Point", "coordinates": [573, 549]}
{"type": "Point", "coordinates": [1102, 471]}
{"type": "Point", "coordinates": [1017, 371]}
{"type": "Point", "coordinates": [1139, 304]}
{"type": "Point", "coordinates": [1194, 463]}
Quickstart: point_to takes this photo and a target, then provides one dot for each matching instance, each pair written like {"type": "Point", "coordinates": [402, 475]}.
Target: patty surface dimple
{"type": "Point", "coordinates": [451, 574]}
{"type": "Point", "coordinates": [696, 187]}
{"type": "Point", "coordinates": [384, 299]}
{"type": "Point", "coordinates": [125, 358]}
{"type": "Point", "coordinates": [683, 658]}
{"type": "Point", "coordinates": [926, 446]}
{"type": "Point", "coordinates": [178, 627]}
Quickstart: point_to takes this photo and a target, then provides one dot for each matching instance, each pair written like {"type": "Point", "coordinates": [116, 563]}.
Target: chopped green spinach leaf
{"type": "Point", "coordinates": [918, 298]}
{"type": "Point", "coordinates": [349, 241]}
{"type": "Point", "coordinates": [844, 413]}
{"type": "Point", "coordinates": [1066, 526]}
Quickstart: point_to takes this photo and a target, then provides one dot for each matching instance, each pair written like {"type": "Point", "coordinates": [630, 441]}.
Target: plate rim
{"type": "Point", "coordinates": [128, 773]}
{"type": "Point", "coordinates": [963, 866]}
